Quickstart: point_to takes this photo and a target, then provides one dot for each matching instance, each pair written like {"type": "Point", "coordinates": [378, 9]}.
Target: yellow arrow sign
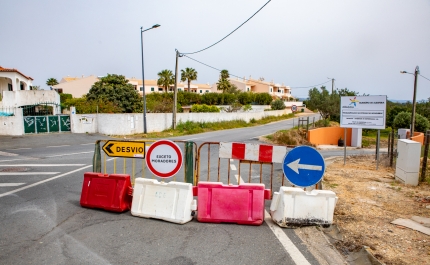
{"type": "Point", "coordinates": [124, 149]}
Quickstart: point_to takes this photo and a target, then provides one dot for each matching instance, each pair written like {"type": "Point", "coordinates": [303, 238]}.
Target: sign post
{"type": "Point", "coordinates": [133, 149]}
{"type": "Point", "coordinates": [303, 166]}
{"type": "Point", "coordinates": [164, 158]}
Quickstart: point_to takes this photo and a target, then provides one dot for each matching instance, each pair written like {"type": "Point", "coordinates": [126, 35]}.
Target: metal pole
{"type": "Point", "coordinates": [426, 151]}
{"type": "Point", "coordinates": [377, 150]}
{"type": "Point", "coordinates": [392, 148]}
{"type": "Point", "coordinates": [175, 92]}
{"type": "Point", "coordinates": [414, 103]}
{"type": "Point", "coordinates": [143, 84]}
{"type": "Point", "coordinates": [344, 146]}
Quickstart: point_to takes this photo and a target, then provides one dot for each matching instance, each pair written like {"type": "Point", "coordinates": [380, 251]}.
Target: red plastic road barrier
{"type": "Point", "coordinates": [241, 204]}
{"type": "Point", "coordinates": [108, 192]}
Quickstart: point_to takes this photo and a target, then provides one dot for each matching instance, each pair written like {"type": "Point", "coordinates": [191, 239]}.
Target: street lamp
{"type": "Point", "coordinates": [143, 76]}
{"type": "Point", "coordinates": [414, 103]}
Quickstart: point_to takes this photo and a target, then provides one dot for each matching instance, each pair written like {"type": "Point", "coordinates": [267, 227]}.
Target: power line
{"type": "Point", "coordinates": [255, 81]}
{"type": "Point", "coordinates": [230, 32]}
{"type": "Point", "coordinates": [313, 85]}
{"type": "Point", "coordinates": [424, 77]}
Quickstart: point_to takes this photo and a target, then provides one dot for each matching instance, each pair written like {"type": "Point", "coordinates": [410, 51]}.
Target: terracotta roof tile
{"type": "Point", "coordinates": [2, 69]}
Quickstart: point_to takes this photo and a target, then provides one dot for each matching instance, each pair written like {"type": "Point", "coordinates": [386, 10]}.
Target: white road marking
{"type": "Point", "coordinates": [43, 165]}
{"type": "Point", "coordinates": [7, 154]}
{"type": "Point", "coordinates": [18, 149]}
{"type": "Point", "coordinates": [58, 145]}
{"type": "Point", "coordinates": [72, 154]}
{"type": "Point", "coordinates": [28, 158]}
{"type": "Point", "coordinates": [286, 242]}
{"type": "Point", "coordinates": [88, 144]}
{"type": "Point", "coordinates": [26, 173]}
{"type": "Point", "coordinates": [10, 184]}
{"type": "Point", "coordinates": [193, 138]}
{"type": "Point", "coordinates": [43, 181]}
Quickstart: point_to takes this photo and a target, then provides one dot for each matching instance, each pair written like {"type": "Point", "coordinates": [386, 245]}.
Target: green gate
{"type": "Point", "coordinates": [29, 124]}
{"type": "Point", "coordinates": [65, 123]}
{"type": "Point", "coordinates": [42, 124]}
{"type": "Point", "coordinates": [54, 124]}
{"type": "Point", "coordinates": [47, 124]}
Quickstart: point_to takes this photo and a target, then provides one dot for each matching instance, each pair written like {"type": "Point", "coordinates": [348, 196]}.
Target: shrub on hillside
{"type": "Point", "coordinates": [277, 104]}
{"type": "Point", "coordinates": [403, 120]}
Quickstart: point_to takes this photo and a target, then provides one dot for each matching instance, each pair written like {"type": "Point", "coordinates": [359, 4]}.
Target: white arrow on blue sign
{"type": "Point", "coordinates": [304, 166]}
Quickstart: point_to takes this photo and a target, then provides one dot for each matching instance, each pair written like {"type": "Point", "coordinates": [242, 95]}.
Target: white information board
{"type": "Point", "coordinates": [366, 112]}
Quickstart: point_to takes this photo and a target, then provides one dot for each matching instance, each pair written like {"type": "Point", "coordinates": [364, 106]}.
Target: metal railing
{"type": "Point", "coordinates": [136, 167]}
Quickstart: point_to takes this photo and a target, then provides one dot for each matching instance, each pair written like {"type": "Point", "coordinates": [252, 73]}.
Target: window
{"type": "Point", "coordinates": [22, 86]}
{"type": "Point", "coordinates": [152, 89]}
{"type": "Point", "coordinates": [271, 90]}
{"type": "Point", "coordinates": [247, 89]}
{"type": "Point", "coordinates": [9, 87]}
{"type": "Point", "coordinates": [160, 89]}
{"type": "Point", "coordinates": [201, 91]}
{"type": "Point", "coordinates": [179, 89]}
{"type": "Point", "coordinates": [141, 88]}
{"type": "Point", "coordinates": [207, 91]}
{"type": "Point", "coordinates": [135, 87]}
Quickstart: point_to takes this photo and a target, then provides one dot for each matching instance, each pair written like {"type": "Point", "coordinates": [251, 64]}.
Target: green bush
{"type": "Point", "coordinates": [263, 98]}
{"type": "Point", "coordinates": [204, 108]}
{"type": "Point", "coordinates": [277, 105]}
{"type": "Point", "coordinates": [246, 98]}
{"type": "Point", "coordinates": [403, 120]}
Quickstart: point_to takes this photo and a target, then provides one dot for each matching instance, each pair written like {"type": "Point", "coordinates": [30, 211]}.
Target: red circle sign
{"type": "Point", "coordinates": [293, 108]}
{"type": "Point", "coordinates": [164, 158]}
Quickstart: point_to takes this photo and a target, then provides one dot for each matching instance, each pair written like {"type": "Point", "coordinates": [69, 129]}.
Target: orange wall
{"type": "Point", "coordinates": [418, 137]}
{"type": "Point", "coordinates": [329, 135]}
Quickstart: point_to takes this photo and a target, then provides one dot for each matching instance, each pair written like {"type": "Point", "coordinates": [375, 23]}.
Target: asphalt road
{"type": "Point", "coordinates": [42, 221]}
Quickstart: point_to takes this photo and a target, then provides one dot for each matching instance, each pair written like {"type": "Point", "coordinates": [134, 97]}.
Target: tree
{"type": "Point", "coordinates": [117, 90]}
{"type": "Point", "coordinates": [403, 120]}
{"type": "Point", "coordinates": [223, 82]}
{"type": "Point", "coordinates": [51, 82]}
{"type": "Point", "coordinates": [188, 74]}
{"type": "Point", "coordinates": [224, 74]}
{"type": "Point", "coordinates": [277, 104]}
{"type": "Point", "coordinates": [35, 87]}
{"type": "Point", "coordinates": [328, 105]}
{"type": "Point", "coordinates": [166, 78]}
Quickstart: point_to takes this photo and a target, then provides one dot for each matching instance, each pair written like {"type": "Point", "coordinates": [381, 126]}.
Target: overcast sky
{"type": "Point", "coordinates": [363, 44]}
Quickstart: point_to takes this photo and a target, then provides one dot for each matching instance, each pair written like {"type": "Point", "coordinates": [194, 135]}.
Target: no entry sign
{"type": "Point", "coordinates": [164, 158]}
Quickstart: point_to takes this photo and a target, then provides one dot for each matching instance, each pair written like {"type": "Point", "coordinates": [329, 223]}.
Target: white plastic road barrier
{"type": "Point", "coordinates": [293, 207]}
{"type": "Point", "coordinates": [171, 201]}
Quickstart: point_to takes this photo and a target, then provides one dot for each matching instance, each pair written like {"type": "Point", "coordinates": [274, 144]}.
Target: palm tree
{"type": "Point", "coordinates": [223, 84]}
{"type": "Point", "coordinates": [189, 74]}
{"type": "Point", "coordinates": [224, 74]}
{"type": "Point", "coordinates": [166, 78]}
{"type": "Point", "coordinates": [51, 82]}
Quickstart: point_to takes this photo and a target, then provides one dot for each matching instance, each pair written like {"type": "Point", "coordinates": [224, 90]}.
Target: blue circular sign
{"type": "Point", "coordinates": [304, 166]}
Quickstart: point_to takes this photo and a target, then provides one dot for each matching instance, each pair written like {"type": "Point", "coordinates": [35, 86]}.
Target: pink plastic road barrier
{"type": "Point", "coordinates": [241, 204]}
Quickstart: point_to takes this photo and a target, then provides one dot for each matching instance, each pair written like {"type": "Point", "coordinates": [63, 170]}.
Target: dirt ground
{"type": "Point", "coordinates": [369, 200]}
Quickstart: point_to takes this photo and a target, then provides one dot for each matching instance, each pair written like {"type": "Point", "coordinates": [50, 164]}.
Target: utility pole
{"type": "Point", "coordinates": [332, 85]}
{"type": "Point", "coordinates": [175, 92]}
{"type": "Point", "coordinates": [414, 104]}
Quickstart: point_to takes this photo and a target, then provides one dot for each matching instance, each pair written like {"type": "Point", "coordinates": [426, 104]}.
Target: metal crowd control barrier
{"type": "Point", "coordinates": [223, 166]}
{"type": "Point", "coordinates": [137, 166]}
